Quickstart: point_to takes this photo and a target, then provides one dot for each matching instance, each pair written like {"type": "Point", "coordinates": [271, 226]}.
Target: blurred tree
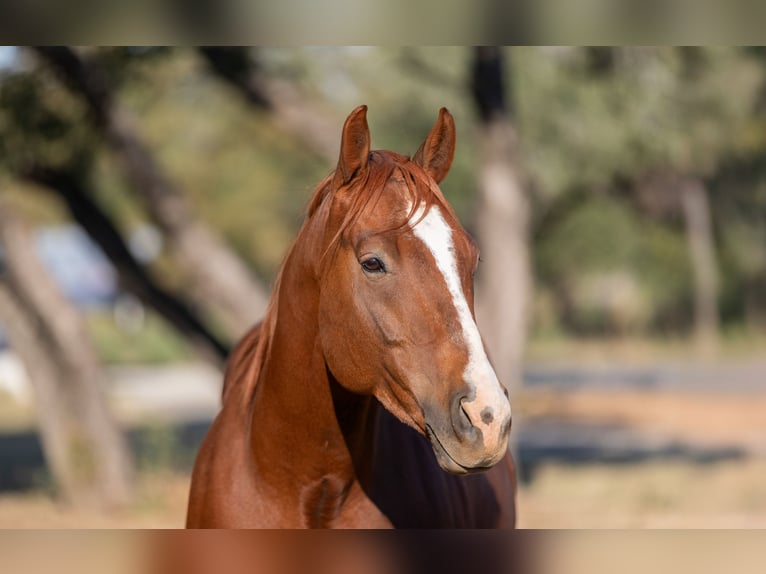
{"type": "Point", "coordinates": [297, 115]}
{"type": "Point", "coordinates": [739, 203]}
{"type": "Point", "coordinates": [653, 124]}
{"type": "Point", "coordinates": [72, 187]}
{"type": "Point", "coordinates": [44, 142]}
{"type": "Point", "coordinates": [86, 453]}
{"type": "Point", "coordinates": [687, 172]}
{"type": "Point", "coordinates": [504, 282]}
{"type": "Point", "coordinates": [504, 289]}
{"type": "Point", "coordinates": [612, 137]}
{"type": "Point", "coordinates": [695, 204]}
{"type": "Point", "coordinates": [217, 275]}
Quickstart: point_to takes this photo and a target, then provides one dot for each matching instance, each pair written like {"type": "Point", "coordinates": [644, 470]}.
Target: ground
{"type": "Point", "coordinates": [714, 479]}
{"type": "Point", "coordinates": [644, 495]}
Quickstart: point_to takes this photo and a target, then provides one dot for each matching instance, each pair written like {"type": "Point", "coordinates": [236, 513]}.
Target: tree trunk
{"type": "Point", "coordinates": [504, 282]}
{"type": "Point", "coordinates": [702, 254]}
{"type": "Point", "coordinates": [87, 454]}
{"type": "Point", "coordinates": [218, 278]}
{"type": "Point", "coordinates": [505, 278]}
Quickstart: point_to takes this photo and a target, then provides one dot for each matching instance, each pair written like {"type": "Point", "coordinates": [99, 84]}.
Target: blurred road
{"type": "Point", "coordinates": [729, 376]}
{"type": "Point", "coordinates": [183, 399]}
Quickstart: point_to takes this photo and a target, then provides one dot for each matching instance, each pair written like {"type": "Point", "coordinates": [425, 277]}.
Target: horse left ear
{"type": "Point", "coordinates": [354, 146]}
{"type": "Point", "coordinates": [436, 153]}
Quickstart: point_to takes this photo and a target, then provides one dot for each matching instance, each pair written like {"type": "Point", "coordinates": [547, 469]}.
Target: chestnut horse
{"type": "Point", "coordinates": [373, 306]}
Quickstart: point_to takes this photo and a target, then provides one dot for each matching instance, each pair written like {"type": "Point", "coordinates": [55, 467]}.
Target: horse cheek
{"type": "Point", "coordinates": [343, 348]}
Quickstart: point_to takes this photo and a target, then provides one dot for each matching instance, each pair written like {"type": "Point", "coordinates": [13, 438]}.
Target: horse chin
{"type": "Point", "coordinates": [449, 464]}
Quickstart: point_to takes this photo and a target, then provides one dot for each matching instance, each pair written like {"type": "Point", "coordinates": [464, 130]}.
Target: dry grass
{"type": "Point", "coordinates": [160, 503]}
{"type": "Point", "coordinates": [655, 494]}
{"type": "Point", "coordinates": [691, 416]}
{"type": "Point", "coordinates": [647, 495]}
{"type": "Point", "coordinates": [14, 415]}
{"type": "Point", "coordinates": [644, 495]}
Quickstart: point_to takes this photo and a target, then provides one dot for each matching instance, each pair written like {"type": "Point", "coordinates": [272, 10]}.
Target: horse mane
{"type": "Point", "coordinates": [240, 359]}
{"type": "Point", "coordinates": [365, 190]}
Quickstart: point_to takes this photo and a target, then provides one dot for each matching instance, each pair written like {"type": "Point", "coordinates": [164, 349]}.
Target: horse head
{"type": "Point", "coordinates": [396, 315]}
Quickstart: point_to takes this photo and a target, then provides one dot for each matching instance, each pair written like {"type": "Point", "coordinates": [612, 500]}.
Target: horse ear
{"type": "Point", "coordinates": [436, 153]}
{"type": "Point", "coordinates": [354, 146]}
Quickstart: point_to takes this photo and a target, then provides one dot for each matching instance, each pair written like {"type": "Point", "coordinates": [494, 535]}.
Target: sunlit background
{"type": "Point", "coordinates": [148, 195]}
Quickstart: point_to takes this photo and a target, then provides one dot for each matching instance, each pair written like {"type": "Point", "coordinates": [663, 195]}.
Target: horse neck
{"type": "Point", "coordinates": [302, 419]}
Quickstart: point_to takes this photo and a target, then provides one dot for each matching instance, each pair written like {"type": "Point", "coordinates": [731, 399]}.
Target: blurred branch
{"type": "Point", "coordinates": [218, 276]}
{"type": "Point", "coordinates": [550, 215]}
{"type": "Point", "coordinates": [488, 79]}
{"type": "Point", "coordinates": [424, 71]}
{"type": "Point", "coordinates": [236, 66]}
{"type": "Point", "coordinates": [133, 276]}
{"type": "Point", "coordinates": [290, 109]}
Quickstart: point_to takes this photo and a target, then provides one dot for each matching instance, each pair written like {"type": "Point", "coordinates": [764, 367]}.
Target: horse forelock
{"type": "Point", "coordinates": [364, 192]}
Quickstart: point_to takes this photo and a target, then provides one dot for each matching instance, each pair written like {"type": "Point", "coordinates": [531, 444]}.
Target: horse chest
{"type": "Point", "coordinates": [413, 492]}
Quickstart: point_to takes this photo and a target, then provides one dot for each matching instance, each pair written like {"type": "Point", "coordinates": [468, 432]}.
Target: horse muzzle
{"type": "Point", "coordinates": [472, 439]}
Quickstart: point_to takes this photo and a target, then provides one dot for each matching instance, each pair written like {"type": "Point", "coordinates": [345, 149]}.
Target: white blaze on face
{"type": "Point", "coordinates": [479, 374]}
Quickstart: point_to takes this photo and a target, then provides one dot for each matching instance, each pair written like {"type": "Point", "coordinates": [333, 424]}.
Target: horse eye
{"type": "Point", "coordinates": [373, 265]}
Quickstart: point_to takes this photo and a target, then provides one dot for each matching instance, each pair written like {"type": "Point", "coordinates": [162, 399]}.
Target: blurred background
{"type": "Point", "coordinates": [618, 195]}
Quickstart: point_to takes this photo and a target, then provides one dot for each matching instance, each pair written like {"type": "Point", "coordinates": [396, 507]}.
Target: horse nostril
{"type": "Point", "coordinates": [461, 420]}
{"type": "Point", "coordinates": [464, 412]}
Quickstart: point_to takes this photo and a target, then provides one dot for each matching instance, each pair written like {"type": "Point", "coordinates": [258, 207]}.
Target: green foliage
{"type": "Point", "coordinates": [158, 448]}
{"type": "Point", "coordinates": [155, 342]}
{"type": "Point", "coordinates": [161, 449]}
{"type": "Point", "coordinates": [612, 271]}
{"type": "Point", "coordinates": [655, 109]}
{"type": "Point", "coordinates": [40, 123]}
{"type": "Point", "coordinates": [689, 111]}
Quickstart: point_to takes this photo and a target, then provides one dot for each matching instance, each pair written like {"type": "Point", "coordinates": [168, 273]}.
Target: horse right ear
{"type": "Point", "coordinates": [436, 153]}
{"type": "Point", "coordinates": [354, 146]}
